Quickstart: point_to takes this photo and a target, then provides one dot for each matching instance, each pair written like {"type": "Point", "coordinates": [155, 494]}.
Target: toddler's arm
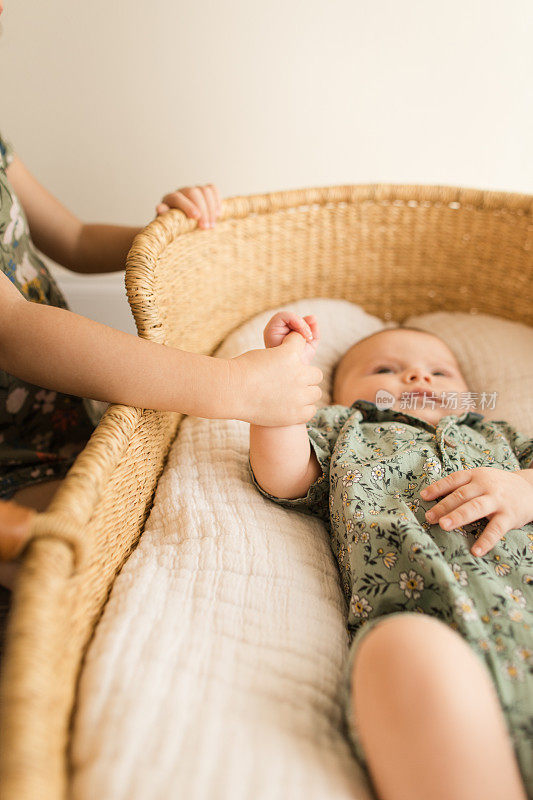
{"type": "Point", "coordinates": [60, 350]}
{"type": "Point", "coordinates": [93, 248]}
{"type": "Point", "coordinates": [282, 459]}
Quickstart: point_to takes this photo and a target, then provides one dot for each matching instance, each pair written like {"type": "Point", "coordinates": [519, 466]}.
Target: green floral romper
{"type": "Point", "coordinates": [374, 463]}
{"type": "Point", "coordinates": [41, 431]}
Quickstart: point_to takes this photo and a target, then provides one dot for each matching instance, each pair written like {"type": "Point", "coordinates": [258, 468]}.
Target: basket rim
{"type": "Point", "coordinates": [150, 242]}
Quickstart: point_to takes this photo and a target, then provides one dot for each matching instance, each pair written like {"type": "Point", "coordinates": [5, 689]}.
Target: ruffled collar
{"type": "Point", "coordinates": [371, 413]}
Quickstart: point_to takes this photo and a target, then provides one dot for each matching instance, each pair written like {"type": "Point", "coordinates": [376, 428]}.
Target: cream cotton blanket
{"type": "Point", "coordinates": [216, 670]}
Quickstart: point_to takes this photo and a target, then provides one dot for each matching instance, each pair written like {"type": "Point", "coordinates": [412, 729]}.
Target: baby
{"type": "Point", "coordinates": [421, 708]}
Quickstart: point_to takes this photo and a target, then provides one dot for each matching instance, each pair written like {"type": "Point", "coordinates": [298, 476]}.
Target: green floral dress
{"type": "Point", "coordinates": [374, 464]}
{"type": "Point", "coordinates": [41, 431]}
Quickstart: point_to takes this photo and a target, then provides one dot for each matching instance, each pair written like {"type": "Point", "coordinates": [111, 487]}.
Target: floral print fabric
{"type": "Point", "coordinates": [41, 431]}
{"type": "Point", "coordinates": [374, 464]}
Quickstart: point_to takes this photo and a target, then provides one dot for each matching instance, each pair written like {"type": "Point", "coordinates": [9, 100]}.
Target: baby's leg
{"type": "Point", "coordinates": [428, 716]}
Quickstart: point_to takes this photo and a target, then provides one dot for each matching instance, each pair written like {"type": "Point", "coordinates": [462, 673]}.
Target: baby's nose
{"type": "Point", "coordinates": [416, 374]}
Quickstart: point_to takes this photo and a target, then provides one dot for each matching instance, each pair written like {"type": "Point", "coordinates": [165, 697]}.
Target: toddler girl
{"type": "Point", "coordinates": [51, 358]}
{"type": "Point", "coordinates": [428, 719]}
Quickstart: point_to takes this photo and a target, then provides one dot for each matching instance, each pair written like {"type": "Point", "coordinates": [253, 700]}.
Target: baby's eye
{"type": "Point", "coordinates": [380, 370]}
{"type": "Point", "coordinates": [439, 372]}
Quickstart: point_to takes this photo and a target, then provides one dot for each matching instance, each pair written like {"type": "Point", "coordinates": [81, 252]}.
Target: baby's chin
{"type": "Point", "coordinates": [426, 413]}
{"type": "Point", "coordinates": [431, 415]}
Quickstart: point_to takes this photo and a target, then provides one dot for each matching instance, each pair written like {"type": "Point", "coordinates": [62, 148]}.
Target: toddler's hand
{"type": "Point", "coordinates": [504, 497]}
{"type": "Point", "coordinates": [197, 202]}
{"type": "Point", "coordinates": [284, 322]}
{"type": "Point", "coordinates": [274, 387]}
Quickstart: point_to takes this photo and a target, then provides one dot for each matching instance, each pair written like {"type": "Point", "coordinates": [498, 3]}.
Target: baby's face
{"type": "Point", "coordinates": [401, 361]}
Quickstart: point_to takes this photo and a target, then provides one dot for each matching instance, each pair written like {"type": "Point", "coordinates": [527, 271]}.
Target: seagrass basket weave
{"type": "Point", "coordinates": [395, 250]}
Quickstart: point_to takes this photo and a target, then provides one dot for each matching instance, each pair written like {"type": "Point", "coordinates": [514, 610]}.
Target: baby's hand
{"type": "Point", "coordinates": [284, 322]}
{"type": "Point", "coordinates": [197, 202]}
{"type": "Point", "coordinates": [504, 497]}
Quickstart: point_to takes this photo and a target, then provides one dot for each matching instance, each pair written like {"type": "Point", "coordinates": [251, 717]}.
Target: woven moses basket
{"type": "Point", "coordinates": [395, 250]}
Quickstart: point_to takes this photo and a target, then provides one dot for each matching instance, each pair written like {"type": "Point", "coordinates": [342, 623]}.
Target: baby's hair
{"type": "Point", "coordinates": [399, 327]}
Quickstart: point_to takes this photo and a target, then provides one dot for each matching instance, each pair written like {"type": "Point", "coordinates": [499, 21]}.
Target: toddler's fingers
{"type": "Point", "coordinates": [493, 532]}
{"type": "Point", "coordinates": [315, 376]}
{"type": "Point", "coordinates": [161, 208]}
{"type": "Point", "coordinates": [179, 200]}
{"type": "Point", "coordinates": [308, 413]}
{"type": "Point", "coordinates": [195, 195]}
{"type": "Point", "coordinates": [316, 393]}
{"type": "Point", "coordinates": [216, 195]}
{"type": "Point", "coordinates": [294, 341]}
{"type": "Point", "coordinates": [211, 204]}
{"type": "Point", "coordinates": [309, 353]}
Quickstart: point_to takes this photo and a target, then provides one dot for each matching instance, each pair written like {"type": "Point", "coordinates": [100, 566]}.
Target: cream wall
{"type": "Point", "coordinates": [111, 103]}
